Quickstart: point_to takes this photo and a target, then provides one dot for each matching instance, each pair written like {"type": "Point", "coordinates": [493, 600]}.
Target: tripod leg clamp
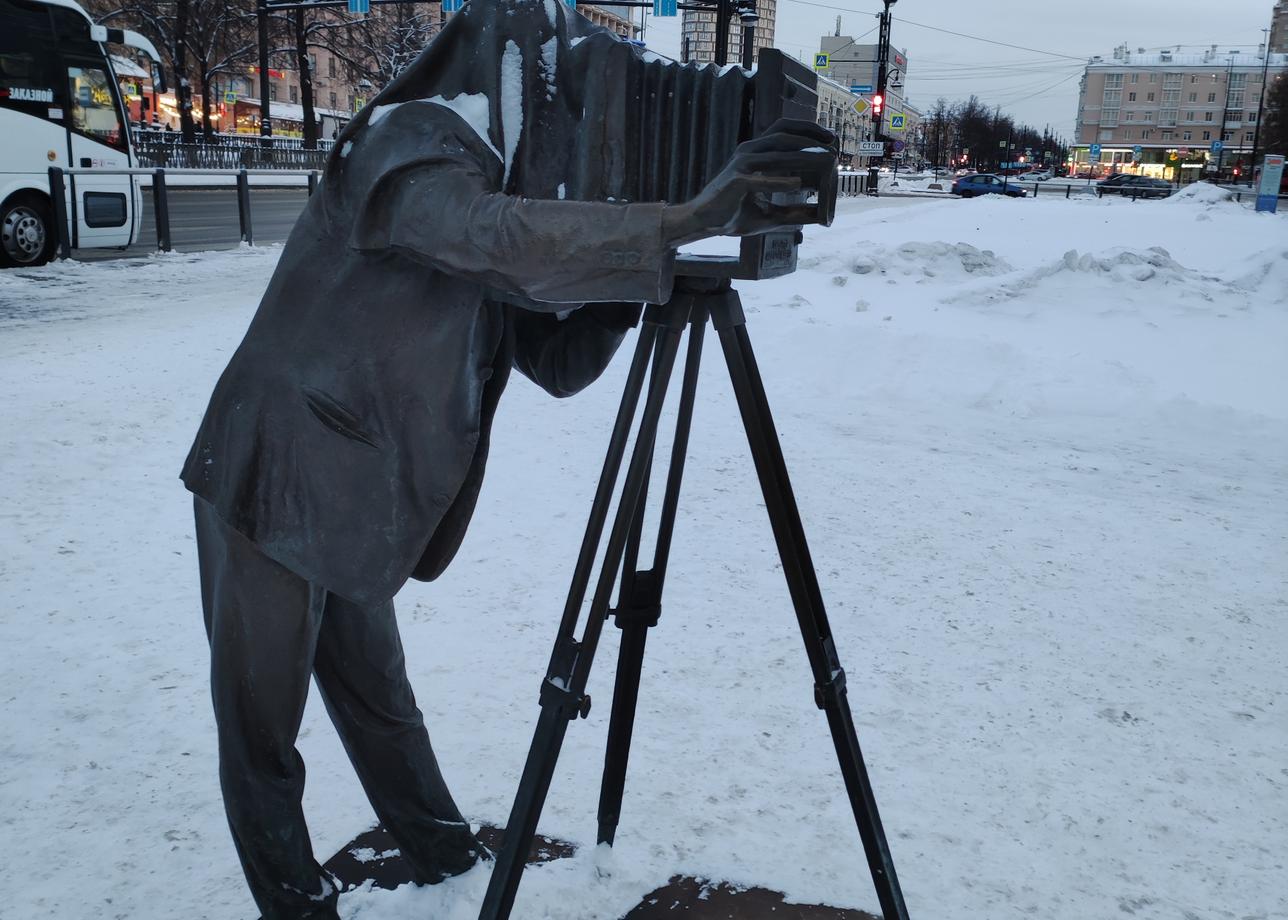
{"type": "Point", "coordinates": [643, 605]}
{"type": "Point", "coordinates": [556, 693]}
{"type": "Point", "coordinates": [830, 692]}
{"type": "Point", "coordinates": [556, 689]}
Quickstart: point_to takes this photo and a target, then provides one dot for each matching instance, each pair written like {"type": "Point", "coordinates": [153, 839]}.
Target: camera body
{"type": "Point", "coordinates": [781, 87]}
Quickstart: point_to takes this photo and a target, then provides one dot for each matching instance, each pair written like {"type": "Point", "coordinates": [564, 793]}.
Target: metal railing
{"type": "Point", "coordinates": [849, 184]}
{"type": "Point", "coordinates": [224, 138]}
{"type": "Point", "coordinates": [167, 150]}
{"type": "Point", "coordinates": [161, 198]}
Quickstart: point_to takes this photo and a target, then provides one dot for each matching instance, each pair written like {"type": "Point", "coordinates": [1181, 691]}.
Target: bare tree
{"type": "Point", "coordinates": [381, 46]}
{"type": "Point", "coordinates": [216, 35]}
{"type": "Point", "coordinates": [221, 39]}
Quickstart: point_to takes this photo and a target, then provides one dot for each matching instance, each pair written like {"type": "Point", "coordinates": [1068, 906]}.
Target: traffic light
{"type": "Point", "coordinates": [878, 103]}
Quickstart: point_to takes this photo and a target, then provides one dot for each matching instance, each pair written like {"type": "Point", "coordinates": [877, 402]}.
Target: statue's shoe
{"type": "Point", "coordinates": [452, 863]}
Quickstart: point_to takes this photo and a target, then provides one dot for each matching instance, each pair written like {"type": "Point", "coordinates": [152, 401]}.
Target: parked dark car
{"type": "Point", "coordinates": [1138, 186]}
{"type": "Point", "coordinates": [1115, 180]}
{"type": "Point", "coordinates": [986, 184]}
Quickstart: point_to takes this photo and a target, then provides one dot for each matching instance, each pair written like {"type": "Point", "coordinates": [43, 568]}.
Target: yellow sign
{"type": "Point", "coordinates": [897, 122]}
{"type": "Point", "coordinates": [821, 61]}
{"type": "Point", "coordinates": [861, 105]}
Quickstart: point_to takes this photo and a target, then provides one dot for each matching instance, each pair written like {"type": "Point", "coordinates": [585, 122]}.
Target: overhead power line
{"type": "Point", "coordinates": [922, 25]}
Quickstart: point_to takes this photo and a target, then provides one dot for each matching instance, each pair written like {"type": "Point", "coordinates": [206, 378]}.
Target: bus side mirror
{"type": "Point", "coordinates": [158, 77]}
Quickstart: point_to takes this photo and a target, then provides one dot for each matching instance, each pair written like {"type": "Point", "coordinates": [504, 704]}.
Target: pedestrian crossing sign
{"type": "Point", "coordinates": [897, 122]}
{"type": "Point", "coordinates": [821, 61]}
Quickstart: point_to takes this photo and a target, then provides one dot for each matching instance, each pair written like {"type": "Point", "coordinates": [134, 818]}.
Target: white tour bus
{"type": "Point", "coordinates": [60, 105]}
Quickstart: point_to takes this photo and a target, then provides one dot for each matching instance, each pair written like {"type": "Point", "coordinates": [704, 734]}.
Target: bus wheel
{"type": "Point", "coordinates": [26, 232]}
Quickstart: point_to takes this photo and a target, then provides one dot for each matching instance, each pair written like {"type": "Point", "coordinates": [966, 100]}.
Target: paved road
{"type": "Point", "coordinates": [206, 218]}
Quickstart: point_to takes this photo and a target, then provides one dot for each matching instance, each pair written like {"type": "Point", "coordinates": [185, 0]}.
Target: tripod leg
{"type": "Point", "coordinates": [563, 690]}
{"type": "Point", "coordinates": [802, 582]}
{"type": "Point", "coordinates": [640, 603]}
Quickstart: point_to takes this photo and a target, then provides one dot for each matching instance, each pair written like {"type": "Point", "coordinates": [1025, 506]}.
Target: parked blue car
{"type": "Point", "coordinates": [986, 184]}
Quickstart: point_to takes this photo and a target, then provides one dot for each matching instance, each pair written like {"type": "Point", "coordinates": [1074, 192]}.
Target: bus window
{"type": "Point", "coordinates": [93, 107]}
{"type": "Point", "coordinates": [28, 81]}
{"type": "Point", "coordinates": [27, 84]}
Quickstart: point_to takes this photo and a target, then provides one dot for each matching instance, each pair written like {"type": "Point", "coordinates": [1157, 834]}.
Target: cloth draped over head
{"type": "Point", "coordinates": [559, 103]}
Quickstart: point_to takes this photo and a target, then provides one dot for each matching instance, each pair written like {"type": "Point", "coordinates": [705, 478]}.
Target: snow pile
{"type": "Point", "coordinates": [1205, 194]}
{"type": "Point", "coordinates": [1266, 276]}
{"type": "Point", "coordinates": [1038, 447]}
{"type": "Point", "coordinates": [922, 262]}
{"type": "Point", "coordinates": [1115, 272]}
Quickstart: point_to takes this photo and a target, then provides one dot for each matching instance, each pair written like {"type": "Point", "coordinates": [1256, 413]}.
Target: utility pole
{"type": "Point", "coordinates": [883, 65]}
{"type": "Point", "coordinates": [1261, 102]}
{"type": "Point", "coordinates": [724, 16]}
{"type": "Point", "coordinates": [1225, 114]}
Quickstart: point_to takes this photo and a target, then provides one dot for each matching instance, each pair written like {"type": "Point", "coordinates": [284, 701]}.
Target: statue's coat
{"type": "Point", "coordinates": [348, 435]}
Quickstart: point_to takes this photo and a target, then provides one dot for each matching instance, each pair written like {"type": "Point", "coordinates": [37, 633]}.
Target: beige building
{"type": "Point", "coordinates": [836, 113]}
{"type": "Point", "coordinates": [851, 64]}
{"type": "Point", "coordinates": [1168, 103]}
{"type": "Point", "coordinates": [615, 18]}
{"type": "Point", "coordinates": [698, 34]}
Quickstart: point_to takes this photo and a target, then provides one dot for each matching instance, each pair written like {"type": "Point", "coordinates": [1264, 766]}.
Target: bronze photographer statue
{"type": "Point", "coordinates": [344, 445]}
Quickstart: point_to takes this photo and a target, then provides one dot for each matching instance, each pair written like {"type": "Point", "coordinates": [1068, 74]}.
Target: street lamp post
{"type": "Point", "coordinates": [747, 13]}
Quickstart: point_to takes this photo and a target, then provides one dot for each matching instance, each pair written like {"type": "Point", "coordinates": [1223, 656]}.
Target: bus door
{"type": "Point", "coordinates": [103, 206]}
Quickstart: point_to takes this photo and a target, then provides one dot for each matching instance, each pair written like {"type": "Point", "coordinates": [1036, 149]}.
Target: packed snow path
{"type": "Point", "coordinates": [1039, 448]}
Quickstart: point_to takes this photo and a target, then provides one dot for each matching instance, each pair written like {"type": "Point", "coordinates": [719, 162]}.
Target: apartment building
{"type": "Point", "coordinates": [1170, 102]}
{"type": "Point", "coordinates": [836, 113]}
{"type": "Point", "coordinates": [1279, 28]}
{"type": "Point", "coordinates": [851, 64]}
{"type": "Point", "coordinates": [698, 33]}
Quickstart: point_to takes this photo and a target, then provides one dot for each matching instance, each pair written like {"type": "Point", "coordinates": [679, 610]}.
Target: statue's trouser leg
{"type": "Point", "coordinates": [262, 621]}
{"type": "Point", "coordinates": [363, 678]}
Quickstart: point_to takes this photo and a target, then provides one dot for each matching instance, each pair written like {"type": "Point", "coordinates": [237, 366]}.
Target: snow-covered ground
{"type": "Point", "coordinates": [1040, 449]}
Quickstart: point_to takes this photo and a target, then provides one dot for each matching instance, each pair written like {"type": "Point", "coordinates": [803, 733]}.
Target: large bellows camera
{"type": "Point", "coordinates": [669, 128]}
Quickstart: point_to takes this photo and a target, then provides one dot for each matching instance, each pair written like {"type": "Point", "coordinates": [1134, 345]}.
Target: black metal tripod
{"type": "Point", "coordinates": [563, 697]}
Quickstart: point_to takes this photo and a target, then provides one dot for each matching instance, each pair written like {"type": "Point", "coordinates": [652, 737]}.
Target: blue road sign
{"type": "Point", "coordinates": [860, 88]}
{"type": "Point", "coordinates": [364, 6]}
{"type": "Point", "coordinates": [450, 6]}
{"type": "Point", "coordinates": [1094, 153]}
{"type": "Point", "coordinates": [664, 8]}
{"type": "Point", "coordinates": [1217, 146]}
{"type": "Point", "coordinates": [1136, 152]}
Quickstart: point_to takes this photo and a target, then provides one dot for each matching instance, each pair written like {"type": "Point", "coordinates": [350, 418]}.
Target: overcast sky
{"type": "Point", "coordinates": [1037, 88]}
